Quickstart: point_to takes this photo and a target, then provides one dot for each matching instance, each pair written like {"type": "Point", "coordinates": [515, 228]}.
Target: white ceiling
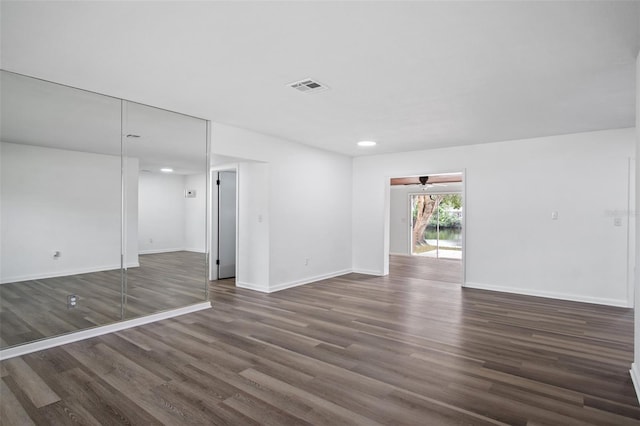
{"type": "Point", "coordinates": [410, 75]}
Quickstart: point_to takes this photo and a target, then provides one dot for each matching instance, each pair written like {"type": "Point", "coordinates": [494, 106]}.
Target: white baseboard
{"type": "Point", "coordinates": [156, 251]}
{"type": "Point", "coordinates": [250, 286]}
{"type": "Point", "coordinates": [635, 379]}
{"type": "Point", "coordinates": [283, 286]}
{"type": "Point", "coordinates": [309, 280]}
{"type": "Point", "coordinates": [368, 272]}
{"type": "Point", "coordinates": [401, 254]}
{"type": "Point", "coordinates": [170, 250]}
{"type": "Point", "coordinates": [69, 272]}
{"type": "Point", "coordinates": [550, 294]}
{"type": "Point", "coordinates": [98, 331]}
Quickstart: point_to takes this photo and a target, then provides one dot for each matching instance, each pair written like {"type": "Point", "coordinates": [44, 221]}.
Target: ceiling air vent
{"type": "Point", "coordinates": [308, 86]}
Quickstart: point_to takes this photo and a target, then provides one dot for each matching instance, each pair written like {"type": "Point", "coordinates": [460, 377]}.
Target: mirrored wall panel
{"type": "Point", "coordinates": [93, 231]}
{"type": "Point", "coordinates": [167, 234]}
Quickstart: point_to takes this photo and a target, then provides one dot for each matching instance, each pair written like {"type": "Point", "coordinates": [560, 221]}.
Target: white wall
{"type": "Point", "coordinates": [304, 195]}
{"type": "Point", "coordinates": [399, 220]}
{"type": "Point", "coordinates": [254, 258]}
{"type": "Point", "coordinates": [167, 220]}
{"type": "Point", "coordinates": [161, 213]}
{"type": "Point", "coordinates": [511, 189]}
{"type": "Point", "coordinates": [195, 213]}
{"type": "Point", "coordinates": [62, 200]}
{"type": "Point", "coordinates": [131, 179]}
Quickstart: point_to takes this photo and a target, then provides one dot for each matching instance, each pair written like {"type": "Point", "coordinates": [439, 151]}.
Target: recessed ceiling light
{"type": "Point", "coordinates": [166, 169]}
{"type": "Point", "coordinates": [366, 143]}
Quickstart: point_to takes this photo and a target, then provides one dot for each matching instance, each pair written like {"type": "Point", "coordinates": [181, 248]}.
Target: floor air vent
{"type": "Point", "coordinates": [308, 86]}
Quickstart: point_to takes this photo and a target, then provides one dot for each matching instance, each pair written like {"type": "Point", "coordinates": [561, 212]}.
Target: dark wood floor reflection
{"type": "Point", "coordinates": [413, 348]}
{"type": "Point", "coordinates": [32, 310]}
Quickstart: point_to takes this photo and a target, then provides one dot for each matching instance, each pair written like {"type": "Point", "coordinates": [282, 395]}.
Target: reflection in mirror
{"type": "Point", "coordinates": [171, 150]}
{"type": "Point", "coordinates": [92, 231]}
{"type": "Point", "coordinates": [60, 197]}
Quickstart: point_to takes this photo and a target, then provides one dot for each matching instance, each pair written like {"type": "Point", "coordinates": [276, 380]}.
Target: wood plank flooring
{"type": "Point", "coordinates": [32, 310]}
{"type": "Point", "coordinates": [412, 348]}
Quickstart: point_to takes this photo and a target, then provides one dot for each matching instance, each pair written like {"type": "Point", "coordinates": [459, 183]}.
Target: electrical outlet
{"type": "Point", "coordinates": [617, 221]}
{"type": "Point", "coordinates": [306, 261]}
{"type": "Point", "coordinates": [72, 301]}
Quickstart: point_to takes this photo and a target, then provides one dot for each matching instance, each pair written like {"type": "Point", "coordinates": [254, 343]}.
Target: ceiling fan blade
{"type": "Point", "coordinates": [433, 179]}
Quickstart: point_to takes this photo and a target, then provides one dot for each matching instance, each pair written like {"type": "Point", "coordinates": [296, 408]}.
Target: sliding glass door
{"type": "Point", "coordinates": [436, 225]}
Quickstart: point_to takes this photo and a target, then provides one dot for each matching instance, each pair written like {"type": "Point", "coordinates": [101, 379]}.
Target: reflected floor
{"type": "Point", "coordinates": [36, 309]}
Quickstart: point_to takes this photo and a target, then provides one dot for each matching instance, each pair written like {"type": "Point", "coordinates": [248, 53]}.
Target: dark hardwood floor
{"type": "Point", "coordinates": [32, 310]}
{"type": "Point", "coordinates": [412, 348]}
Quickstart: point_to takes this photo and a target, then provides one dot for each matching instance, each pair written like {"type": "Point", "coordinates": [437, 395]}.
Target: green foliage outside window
{"type": "Point", "coordinates": [448, 212]}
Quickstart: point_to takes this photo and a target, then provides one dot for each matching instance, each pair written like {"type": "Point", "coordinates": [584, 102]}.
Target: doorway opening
{"type": "Point", "coordinates": [426, 225]}
{"type": "Point", "coordinates": [224, 221]}
{"type": "Point", "coordinates": [227, 202]}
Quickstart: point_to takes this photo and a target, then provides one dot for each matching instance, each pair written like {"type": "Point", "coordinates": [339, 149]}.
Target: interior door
{"type": "Point", "coordinates": [226, 224]}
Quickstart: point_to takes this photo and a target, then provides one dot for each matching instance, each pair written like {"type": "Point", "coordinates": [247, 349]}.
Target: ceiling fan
{"type": "Point", "coordinates": [427, 181]}
{"type": "Point", "coordinates": [425, 184]}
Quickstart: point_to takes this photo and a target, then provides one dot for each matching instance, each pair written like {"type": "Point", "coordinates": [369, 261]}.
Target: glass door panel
{"type": "Point", "coordinates": [449, 226]}
{"type": "Point", "coordinates": [423, 208]}
{"type": "Point", "coordinates": [436, 225]}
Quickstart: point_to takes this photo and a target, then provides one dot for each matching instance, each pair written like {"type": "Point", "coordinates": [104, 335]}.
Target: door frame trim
{"type": "Point", "coordinates": [387, 214]}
